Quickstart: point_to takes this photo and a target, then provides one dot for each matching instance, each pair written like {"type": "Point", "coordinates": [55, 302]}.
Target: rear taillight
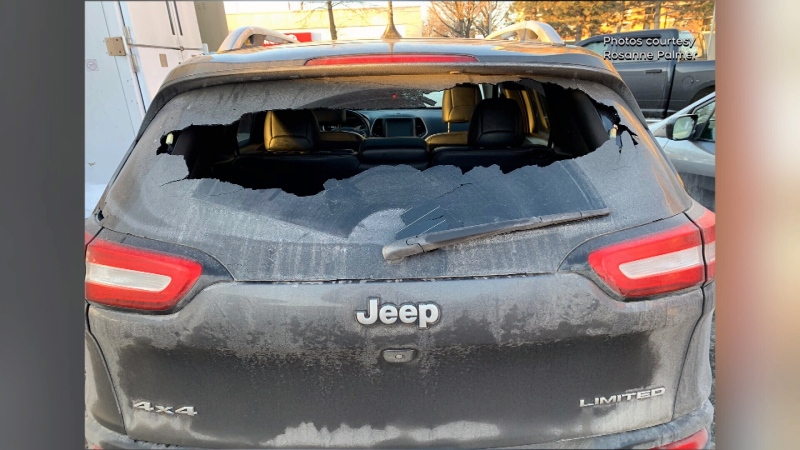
{"type": "Point", "coordinates": [662, 262]}
{"type": "Point", "coordinates": [707, 223]}
{"type": "Point", "coordinates": [394, 58]}
{"type": "Point", "coordinates": [129, 277]}
{"type": "Point", "coordinates": [693, 442]}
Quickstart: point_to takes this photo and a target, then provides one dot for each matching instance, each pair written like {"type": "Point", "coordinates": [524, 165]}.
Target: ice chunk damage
{"type": "Point", "coordinates": [338, 232]}
{"type": "Point", "coordinates": [482, 195]}
{"type": "Point", "coordinates": [440, 195]}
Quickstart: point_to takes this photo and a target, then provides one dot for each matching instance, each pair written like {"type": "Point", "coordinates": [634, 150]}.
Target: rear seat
{"type": "Point", "coordinates": [496, 135]}
{"type": "Point", "coordinates": [393, 151]}
{"type": "Point", "coordinates": [291, 158]}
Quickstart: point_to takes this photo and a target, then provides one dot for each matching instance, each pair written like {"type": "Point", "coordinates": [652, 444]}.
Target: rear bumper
{"type": "Point", "coordinates": [99, 436]}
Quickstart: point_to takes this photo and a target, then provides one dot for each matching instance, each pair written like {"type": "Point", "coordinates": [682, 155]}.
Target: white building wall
{"type": "Point", "coordinates": [113, 107]}
{"type": "Point", "coordinates": [119, 89]}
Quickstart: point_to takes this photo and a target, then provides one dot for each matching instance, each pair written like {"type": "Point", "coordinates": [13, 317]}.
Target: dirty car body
{"type": "Point", "coordinates": [397, 244]}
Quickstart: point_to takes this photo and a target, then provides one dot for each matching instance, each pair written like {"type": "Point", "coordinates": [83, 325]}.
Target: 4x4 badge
{"type": "Point", "coordinates": [423, 314]}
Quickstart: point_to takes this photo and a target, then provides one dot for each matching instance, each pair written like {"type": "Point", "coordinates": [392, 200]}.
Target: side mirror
{"type": "Point", "coordinates": [682, 127]}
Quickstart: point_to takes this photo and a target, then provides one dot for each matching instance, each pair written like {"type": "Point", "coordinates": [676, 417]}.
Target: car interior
{"type": "Point", "coordinates": [508, 124]}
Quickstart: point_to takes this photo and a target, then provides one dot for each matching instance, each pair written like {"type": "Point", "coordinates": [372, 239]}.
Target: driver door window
{"type": "Point", "coordinates": [706, 120]}
{"type": "Point", "coordinates": [598, 47]}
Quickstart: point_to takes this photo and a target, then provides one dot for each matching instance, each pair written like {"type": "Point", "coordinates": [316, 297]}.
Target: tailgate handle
{"type": "Point", "coordinates": [399, 355]}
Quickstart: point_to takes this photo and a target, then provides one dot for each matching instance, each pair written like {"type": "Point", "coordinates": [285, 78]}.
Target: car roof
{"type": "Point", "coordinates": [485, 51]}
{"type": "Point", "coordinates": [289, 61]}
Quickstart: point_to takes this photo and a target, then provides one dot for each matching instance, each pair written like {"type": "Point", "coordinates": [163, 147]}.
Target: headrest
{"type": "Point", "coordinates": [330, 116]}
{"type": "Point", "coordinates": [459, 102]}
{"type": "Point", "coordinates": [291, 131]}
{"type": "Point", "coordinates": [497, 122]}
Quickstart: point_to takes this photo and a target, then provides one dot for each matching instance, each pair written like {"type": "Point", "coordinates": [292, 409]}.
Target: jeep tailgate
{"type": "Point", "coordinates": [507, 363]}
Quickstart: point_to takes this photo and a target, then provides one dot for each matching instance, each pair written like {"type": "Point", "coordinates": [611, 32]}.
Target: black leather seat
{"type": "Point", "coordinates": [393, 151]}
{"type": "Point", "coordinates": [458, 104]}
{"type": "Point", "coordinates": [336, 139]}
{"type": "Point", "coordinates": [291, 158]}
{"type": "Point", "coordinates": [496, 135]}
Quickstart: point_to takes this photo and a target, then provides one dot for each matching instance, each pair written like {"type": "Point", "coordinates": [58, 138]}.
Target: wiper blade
{"type": "Point", "coordinates": [427, 242]}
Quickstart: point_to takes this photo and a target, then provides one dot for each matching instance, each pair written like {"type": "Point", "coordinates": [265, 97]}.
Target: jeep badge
{"type": "Point", "coordinates": [423, 314]}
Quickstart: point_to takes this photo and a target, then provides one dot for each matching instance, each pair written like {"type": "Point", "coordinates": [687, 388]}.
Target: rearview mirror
{"type": "Point", "coordinates": [682, 127]}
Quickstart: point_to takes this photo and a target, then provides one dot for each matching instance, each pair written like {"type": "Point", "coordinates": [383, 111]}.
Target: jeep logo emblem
{"type": "Point", "coordinates": [424, 314]}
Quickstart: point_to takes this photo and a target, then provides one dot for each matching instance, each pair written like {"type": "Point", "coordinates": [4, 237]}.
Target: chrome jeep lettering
{"type": "Point", "coordinates": [423, 314]}
{"type": "Point", "coordinates": [363, 318]}
{"type": "Point", "coordinates": [428, 314]}
{"type": "Point", "coordinates": [408, 314]}
{"type": "Point", "coordinates": [388, 314]}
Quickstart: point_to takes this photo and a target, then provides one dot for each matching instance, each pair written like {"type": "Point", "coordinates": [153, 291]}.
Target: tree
{"type": "Point", "coordinates": [580, 19]}
{"type": "Point", "coordinates": [657, 15]}
{"type": "Point", "coordinates": [465, 18]}
{"type": "Point", "coordinates": [491, 15]}
{"type": "Point", "coordinates": [688, 14]}
{"type": "Point", "coordinates": [584, 18]}
{"type": "Point", "coordinates": [329, 6]}
{"type": "Point", "coordinates": [454, 19]}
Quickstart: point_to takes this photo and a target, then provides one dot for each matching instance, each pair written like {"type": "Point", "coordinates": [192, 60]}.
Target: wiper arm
{"type": "Point", "coordinates": [428, 101]}
{"type": "Point", "coordinates": [427, 242]}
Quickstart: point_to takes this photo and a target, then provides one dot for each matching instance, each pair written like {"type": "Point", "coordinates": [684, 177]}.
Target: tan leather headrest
{"type": "Point", "coordinates": [459, 102]}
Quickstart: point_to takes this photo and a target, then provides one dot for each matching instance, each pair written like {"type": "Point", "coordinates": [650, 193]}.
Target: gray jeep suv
{"type": "Point", "coordinates": [416, 243]}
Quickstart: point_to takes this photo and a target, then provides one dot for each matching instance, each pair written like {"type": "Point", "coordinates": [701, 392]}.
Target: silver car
{"type": "Point", "coordinates": [688, 139]}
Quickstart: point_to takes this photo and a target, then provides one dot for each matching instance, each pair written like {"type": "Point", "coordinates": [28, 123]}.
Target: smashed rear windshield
{"type": "Point", "coordinates": [332, 170]}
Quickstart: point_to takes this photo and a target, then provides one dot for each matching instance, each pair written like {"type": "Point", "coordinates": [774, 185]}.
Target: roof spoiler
{"type": "Point", "coordinates": [239, 38]}
{"type": "Point", "coordinates": [531, 31]}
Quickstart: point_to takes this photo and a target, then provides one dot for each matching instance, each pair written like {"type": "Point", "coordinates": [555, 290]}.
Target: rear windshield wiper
{"type": "Point", "coordinates": [427, 242]}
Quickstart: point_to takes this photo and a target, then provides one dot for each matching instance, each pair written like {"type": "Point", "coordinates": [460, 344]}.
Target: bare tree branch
{"type": "Point", "coordinates": [490, 15]}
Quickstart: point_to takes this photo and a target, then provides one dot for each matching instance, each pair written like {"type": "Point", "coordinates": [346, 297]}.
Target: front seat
{"type": "Point", "coordinates": [458, 104]}
{"type": "Point", "coordinates": [336, 139]}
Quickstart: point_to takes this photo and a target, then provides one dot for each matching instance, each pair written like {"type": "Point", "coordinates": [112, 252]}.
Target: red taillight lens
{"type": "Point", "coordinates": [707, 223]}
{"type": "Point", "coordinates": [128, 277]}
{"type": "Point", "coordinates": [693, 442]}
{"type": "Point", "coordinates": [394, 58]}
{"type": "Point", "coordinates": [654, 264]}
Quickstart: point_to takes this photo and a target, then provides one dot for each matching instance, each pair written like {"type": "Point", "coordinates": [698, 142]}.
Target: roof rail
{"type": "Point", "coordinates": [241, 38]}
{"type": "Point", "coordinates": [530, 31]}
